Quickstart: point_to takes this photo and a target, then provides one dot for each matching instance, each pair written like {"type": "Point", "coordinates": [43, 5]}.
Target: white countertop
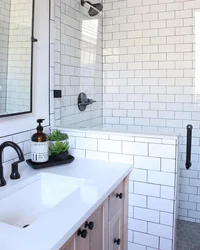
{"type": "Point", "coordinates": [51, 231]}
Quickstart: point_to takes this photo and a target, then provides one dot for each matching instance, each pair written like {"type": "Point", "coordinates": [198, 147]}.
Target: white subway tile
{"type": "Point", "coordinates": [188, 189]}
{"type": "Point", "coordinates": [109, 146]}
{"type": "Point", "coordinates": [135, 246]}
{"type": "Point", "coordinates": [161, 204]}
{"type": "Point", "coordinates": [188, 205]}
{"type": "Point", "coordinates": [84, 143]}
{"type": "Point", "coordinates": [166, 219]}
{"type": "Point", "coordinates": [130, 235]}
{"type": "Point", "coordinates": [96, 155]}
{"type": "Point", "coordinates": [168, 165]}
{"type": "Point", "coordinates": [193, 214]}
{"type": "Point", "coordinates": [160, 230]}
{"type": "Point", "coordinates": [165, 151]}
{"type": "Point", "coordinates": [130, 187]}
{"type": "Point", "coordinates": [147, 189]}
{"type": "Point", "coordinates": [137, 200]}
{"type": "Point", "coordinates": [161, 178]}
{"type": "Point", "coordinates": [168, 192]}
{"type": "Point", "coordinates": [165, 244]}
{"type": "Point", "coordinates": [137, 225]}
{"type": "Point", "coordinates": [135, 148]}
{"type": "Point", "coordinates": [121, 158]}
{"type": "Point", "coordinates": [77, 153]}
{"type": "Point", "coordinates": [146, 239]}
{"type": "Point", "coordinates": [138, 175]}
{"type": "Point", "coordinates": [130, 212]}
{"type": "Point", "coordinates": [146, 214]}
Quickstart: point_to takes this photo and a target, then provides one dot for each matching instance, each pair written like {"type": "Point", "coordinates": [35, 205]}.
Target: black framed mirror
{"type": "Point", "coordinates": [16, 56]}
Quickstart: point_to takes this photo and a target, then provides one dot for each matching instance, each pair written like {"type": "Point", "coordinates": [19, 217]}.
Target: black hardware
{"type": "Point", "coordinates": [57, 93]}
{"type": "Point", "coordinates": [94, 8]}
{"type": "Point", "coordinates": [83, 101]}
{"type": "Point", "coordinates": [119, 195]}
{"type": "Point", "coordinates": [82, 233]}
{"type": "Point", "coordinates": [188, 163]}
{"type": "Point", "coordinates": [118, 241]}
{"type": "Point", "coordinates": [34, 40]}
{"type": "Point", "coordinates": [26, 226]}
{"type": "Point", "coordinates": [90, 225]}
{"type": "Point", "coordinates": [15, 174]}
{"type": "Point", "coordinates": [19, 153]}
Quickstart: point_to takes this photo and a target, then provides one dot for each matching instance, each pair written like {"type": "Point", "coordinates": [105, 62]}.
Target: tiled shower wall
{"type": "Point", "coordinates": [149, 78]}
{"type": "Point", "coordinates": [19, 53]}
{"type": "Point", "coordinates": [76, 63]}
{"type": "Point", "coordinates": [4, 38]}
{"type": "Point", "coordinates": [153, 181]}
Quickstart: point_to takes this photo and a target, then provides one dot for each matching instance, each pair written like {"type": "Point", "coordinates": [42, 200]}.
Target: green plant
{"type": "Point", "coordinates": [56, 135]}
{"type": "Point", "coordinates": [59, 147]}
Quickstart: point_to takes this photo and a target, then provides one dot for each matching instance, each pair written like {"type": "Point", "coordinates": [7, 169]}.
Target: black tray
{"type": "Point", "coordinates": [51, 163]}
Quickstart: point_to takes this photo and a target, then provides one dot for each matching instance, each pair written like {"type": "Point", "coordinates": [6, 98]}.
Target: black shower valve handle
{"type": "Point", "coordinates": [90, 101]}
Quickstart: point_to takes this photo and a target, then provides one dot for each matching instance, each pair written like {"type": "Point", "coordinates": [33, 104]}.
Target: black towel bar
{"type": "Point", "coordinates": [188, 163]}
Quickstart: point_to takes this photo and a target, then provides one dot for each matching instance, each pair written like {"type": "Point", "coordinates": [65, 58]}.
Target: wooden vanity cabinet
{"type": "Point", "coordinates": [91, 235]}
{"type": "Point", "coordinates": [106, 228]}
{"type": "Point", "coordinates": [70, 245]}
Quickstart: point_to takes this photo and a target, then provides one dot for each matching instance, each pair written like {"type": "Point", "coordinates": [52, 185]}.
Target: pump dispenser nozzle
{"type": "Point", "coordinates": [39, 127]}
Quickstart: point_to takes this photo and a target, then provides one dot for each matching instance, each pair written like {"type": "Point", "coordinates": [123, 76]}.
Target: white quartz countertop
{"type": "Point", "coordinates": [53, 229]}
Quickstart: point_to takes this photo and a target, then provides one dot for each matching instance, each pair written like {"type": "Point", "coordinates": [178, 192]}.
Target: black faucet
{"type": "Point", "coordinates": [14, 174]}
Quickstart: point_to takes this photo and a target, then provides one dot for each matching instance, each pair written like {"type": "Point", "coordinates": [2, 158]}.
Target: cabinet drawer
{"type": "Point", "coordinates": [116, 200]}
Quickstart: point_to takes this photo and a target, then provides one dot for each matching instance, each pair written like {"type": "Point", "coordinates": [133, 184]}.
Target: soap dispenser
{"type": "Point", "coordinates": [39, 145]}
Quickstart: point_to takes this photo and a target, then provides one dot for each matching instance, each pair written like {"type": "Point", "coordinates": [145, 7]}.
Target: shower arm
{"type": "Point", "coordinates": [83, 3]}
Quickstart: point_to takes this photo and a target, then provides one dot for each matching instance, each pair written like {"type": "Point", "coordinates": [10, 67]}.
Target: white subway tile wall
{"type": "Point", "coordinates": [76, 64]}
{"type": "Point", "coordinates": [152, 183]}
{"type": "Point", "coordinates": [151, 59]}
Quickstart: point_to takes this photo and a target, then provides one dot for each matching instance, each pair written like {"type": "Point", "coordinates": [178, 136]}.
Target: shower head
{"type": "Point", "coordinates": [94, 8]}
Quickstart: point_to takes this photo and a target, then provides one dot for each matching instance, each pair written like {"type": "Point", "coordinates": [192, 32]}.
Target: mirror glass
{"type": "Point", "coordinates": [16, 32]}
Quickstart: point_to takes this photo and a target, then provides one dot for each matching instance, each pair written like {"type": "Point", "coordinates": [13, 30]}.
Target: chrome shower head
{"type": "Point", "coordinates": [94, 8]}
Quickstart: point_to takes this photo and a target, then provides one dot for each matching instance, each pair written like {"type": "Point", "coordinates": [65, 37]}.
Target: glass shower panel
{"type": "Point", "coordinates": [81, 66]}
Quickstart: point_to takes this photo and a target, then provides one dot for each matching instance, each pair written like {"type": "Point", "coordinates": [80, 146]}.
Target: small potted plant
{"type": "Point", "coordinates": [58, 145]}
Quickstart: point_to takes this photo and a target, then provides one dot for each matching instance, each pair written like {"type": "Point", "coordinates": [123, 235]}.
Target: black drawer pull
{"type": "Point", "coordinates": [82, 233]}
{"type": "Point", "coordinates": [117, 241]}
{"type": "Point", "coordinates": [89, 225]}
{"type": "Point", "coordinates": [119, 195]}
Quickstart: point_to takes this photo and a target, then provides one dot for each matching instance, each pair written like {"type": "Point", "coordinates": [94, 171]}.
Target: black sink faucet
{"type": "Point", "coordinates": [14, 174]}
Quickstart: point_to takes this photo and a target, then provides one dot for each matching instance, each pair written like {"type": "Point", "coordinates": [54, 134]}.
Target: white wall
{"type": "Point", "coordinates": [149, 77]}
{"type": "Point", "coordinates": [20, 128]}
{"type": "Point", "coordinates": [17, 124]}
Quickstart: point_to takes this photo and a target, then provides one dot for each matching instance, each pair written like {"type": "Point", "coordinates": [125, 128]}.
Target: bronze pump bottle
{"type": "Point", "coordinates": [39, 145]}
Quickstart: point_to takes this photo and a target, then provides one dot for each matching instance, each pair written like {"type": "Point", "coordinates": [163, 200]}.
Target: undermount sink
{"type": "Point", "coordinates": [28, 202]}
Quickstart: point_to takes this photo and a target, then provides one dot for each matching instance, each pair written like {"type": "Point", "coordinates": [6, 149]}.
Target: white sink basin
{"type": "Point", "coordinates": [26, 203]}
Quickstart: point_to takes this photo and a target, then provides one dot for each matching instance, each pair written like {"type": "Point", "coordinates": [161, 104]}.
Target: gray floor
{"type": "Point", "coordinates": [188, 235]}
